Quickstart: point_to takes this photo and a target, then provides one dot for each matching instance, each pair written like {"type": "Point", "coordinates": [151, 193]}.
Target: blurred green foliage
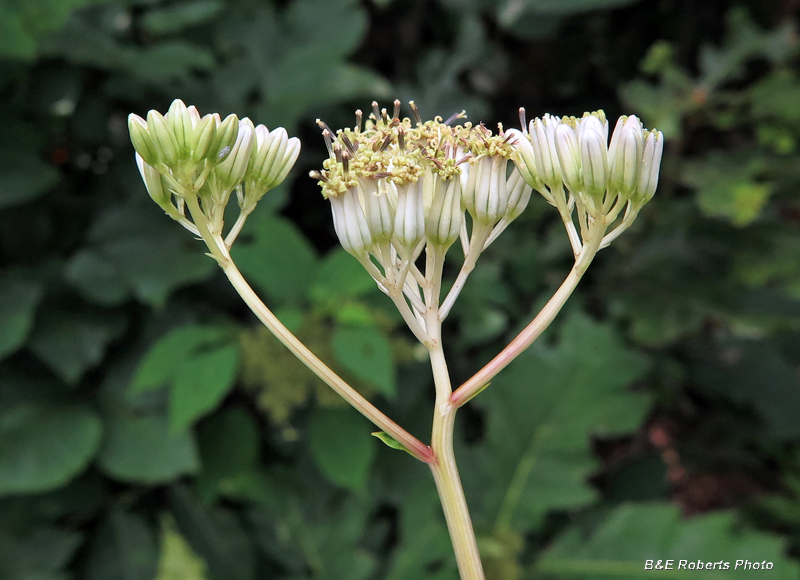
{"type": "Point", "coordinates": [151, 429]}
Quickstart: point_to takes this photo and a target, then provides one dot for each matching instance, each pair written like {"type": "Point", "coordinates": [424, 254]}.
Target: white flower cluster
{"type": "Point", "coordinates": [601, 178]}
{"type": "Point", "coordinates": [181, 154]}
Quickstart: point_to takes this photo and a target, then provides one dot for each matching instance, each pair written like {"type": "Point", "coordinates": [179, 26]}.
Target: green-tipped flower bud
{"type": "Point", "coordinates": [154, 184]}
{"type": "Point", "coordinates": [140, 137]}
{"type": "Point", "coordinates": [651, 164]}
{"type": "Point", "coordinates": [594, 162]}
{"type": "Point", "coordinates": [163, 138]}
{"type": "Point", "coordinates": [350, 223]}
{"type": "Point", "coordinates": [230, 172]}
{"type": "Point", "coordinates": [625, 155]}
{"type": "Point", "coordinates": [443, 224]}
{"type": "Point", "coordinates": [179, 121]}
{"type": "Point", "coordinates": [203, 135]}
{"type": "Point", "coordinates": [409, 218]}
{"type": "Point", "coordinates": [569, 157]}
{"type": "Point", "coordinates": [225, 138]}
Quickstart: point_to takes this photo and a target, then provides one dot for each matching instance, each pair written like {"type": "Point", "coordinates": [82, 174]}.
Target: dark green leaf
{"type": "Point", "coordinates": [42, 448]}
{"type": "Point", "coordinates": [365, 352]}
{"type": "Point", "coordinates": [142, 449]}
{"type": "Point", "coordinates": [18, 302]}
{"type": "Point", "coordinates": [40, 553]}
{"type": "Point", "coordinates": [200, 383]}
{"type": "Point", "coordinates": [123, 549]}
{"type": "Point", "coordinates": [619, 548]}
{"type": "Point", "coordinates": [341, 446]}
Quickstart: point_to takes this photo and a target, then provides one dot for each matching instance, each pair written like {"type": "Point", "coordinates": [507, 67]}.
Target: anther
{"type": "Point", "coordinates": [359, 115]}
{"type": "Point", "coordinates": [396, 113]}
{"type": "Point", "coordinates": [415, 112]}
{"type": "Point", "coordinates": [328, 136]}
{"type": "Point", "coordinates": [376, 110]}
{"type": "Point", "coordinates": [455, 116]}
{"type": "Point", "coordinates": [348, 143]}
{"type": "Point", "coordinates": [386, 142]}
{"type": "Point", "coordinates": [522, 120]}
{"type": "Point", "coordinates": [401, 139]}
{"type": "Point", "coordinates": [337, 151]}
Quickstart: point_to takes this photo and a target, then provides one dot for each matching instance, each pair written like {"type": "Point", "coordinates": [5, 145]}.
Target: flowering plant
{"type": "Point", "coordinates": [400, 188]}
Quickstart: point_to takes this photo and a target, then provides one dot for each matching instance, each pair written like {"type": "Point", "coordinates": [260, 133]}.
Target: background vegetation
{"type": "Point", "coordinates": [149, 428]}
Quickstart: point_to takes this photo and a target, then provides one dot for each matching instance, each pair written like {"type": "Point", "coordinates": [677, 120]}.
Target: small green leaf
{"type": "Point", "coordinates": [161, 362]}
{"type": "Point", "coordinates": [390, 441]}
{"type": "Point", "coordinates": [340, 277]}
{"type": "Point", "coordinates": [366, 352]}
{"type": "Point", "coordinates": [178, 561]}
{"type": "Point", "coordinates": [201, 382]}
{"type": "Point", "coordinates": [18, 302]}
{"type": "Point", "coordinates": [176, 17]}
{"type": "Point", "coordinates": [40, 553]}
{"type": "Point", "coordinates": [340, 446]}
{"type": "Point", "coordinates": [42, 448]}
{"type": "Point", "coordinates": [142, 449]}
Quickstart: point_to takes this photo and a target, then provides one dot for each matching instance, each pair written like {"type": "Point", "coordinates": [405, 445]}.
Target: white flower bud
{"type": "Point", "coordinates": [479, 180]}
{"type": "Point", "coordinates": [230, 172]}
{"type": "Point", "coordinates": [651, 164]}
{"type": "Point", "coordinates": [378, 209]}
{"type": "Point", "coordinates": [224, 139]}
{"type": "Point", "coordinates": [203, 135]}
{"type": "Point", "coordinates": [542, 133]}
{"type": "Point", "coordinates": [625, 159]}
{"type": "Point", "coordinates": [491, 202]}
{"type": "Point", "coordinates": [594, 161]}
{"type": "Point", "coordinates": [524, 158]}
{"type": "Point", "coordinates": [153, 182]}
{"type": "Point", "coordinates": [569, 157]}
{"type": "Point", "coordinates": [409, 218]}
{"type": "Point", "coordinates": [443, 224]}
{"type": "Point", "coordinates": [519, 194]}
{"type": "Point", "coordinates": [350, 223]}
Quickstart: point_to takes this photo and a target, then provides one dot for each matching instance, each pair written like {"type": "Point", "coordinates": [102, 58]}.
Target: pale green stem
{"type": "Point", "coordinates": [218, 250]}
{"type": "Point", "coordinates": [443, 466]}
{"type": "Point", "coordinates": [479, 235]}
{"type": "Point", "coordinates": [237, 227]}
{"type": "Point", "coordinates": [542, 320]}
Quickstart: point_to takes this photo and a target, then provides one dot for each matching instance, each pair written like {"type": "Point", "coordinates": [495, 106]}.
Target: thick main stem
{"type": "Point", "coordinates": [443, 466]}
{"type": "Point", "coordinates": [445, 473]}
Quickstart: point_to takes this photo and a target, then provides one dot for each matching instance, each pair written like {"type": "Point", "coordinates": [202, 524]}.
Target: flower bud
{"type": "Point", "coordinates": [203, 134]}
{"type": "Point", "coordinates": [378, 209]}
{"type": "Point", "coordinates": [479, 179]}
{"type": "Point", "coordinates": [350, 223]}
{"type": "Point", "coordinates": [153, 182]}
{"type": "Point", "coordinates": [230, 172]}
{"type": "Point", "coordinates": [194, 116]}
{"type": "Point", "coordinates": [542, 132]}
{"type": "Point", "coordinates": [180, 123]}
{"type": "Point", "coordinates": [569, 157]}
{"type": "Point", "coordinates": [409, 217]}
{"type": "Point", "coordinates": [491, 202]}
{"type": "Point", "coordinates": [142, 142]}
{"type": "Point", "coordinates": [651, 163]}
{"type": "Point", "coordinates": [224, 139]}
{"type": "Point", "coordinates": [594, 162]}
{"type": "Point", "coordinates": [443, 224]}
{"type": "Point", "coordinates": [519, 194]}
{"type": "Point", "coordinates": [524, 158]}
{"type": "Point", "coordinates": [625, 158]}
{"type": "Point", "coordinates": [163, 139]}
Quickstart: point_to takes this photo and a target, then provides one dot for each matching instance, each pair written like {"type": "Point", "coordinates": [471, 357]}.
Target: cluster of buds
{"type": "Point", "coordinates": [182, 155]}
{"type": "Point", "coordinates": [397, 185]}
{"type": "Point", "coordinates": [601, 178]}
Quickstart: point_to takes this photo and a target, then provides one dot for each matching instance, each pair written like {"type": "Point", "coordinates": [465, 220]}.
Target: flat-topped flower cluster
{"type": "Point", "coordinates": [396, 185]}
